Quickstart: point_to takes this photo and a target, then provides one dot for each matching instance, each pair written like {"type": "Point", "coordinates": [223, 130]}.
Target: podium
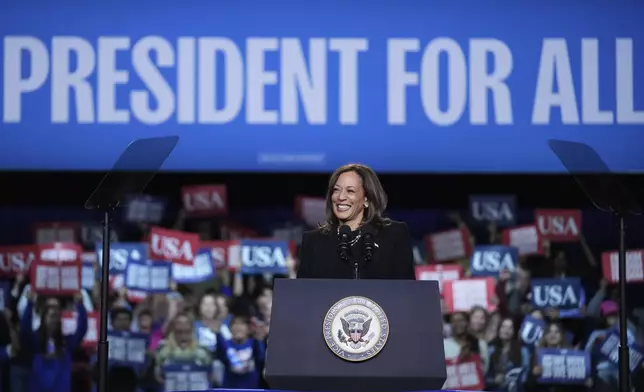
{"type": "Point", "coordinates": [355, 336]}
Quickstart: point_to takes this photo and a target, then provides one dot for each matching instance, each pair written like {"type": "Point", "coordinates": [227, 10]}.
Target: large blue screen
{"type": "Point", "coordinates": [286, 85]}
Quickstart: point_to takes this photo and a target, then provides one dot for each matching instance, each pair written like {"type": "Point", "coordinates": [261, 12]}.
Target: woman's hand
{"type": "Point", "coordinates": [536, 370]}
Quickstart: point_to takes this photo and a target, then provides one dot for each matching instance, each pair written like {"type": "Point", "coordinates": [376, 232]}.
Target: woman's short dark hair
{"type": "Point", "coordinates": [373, 190]}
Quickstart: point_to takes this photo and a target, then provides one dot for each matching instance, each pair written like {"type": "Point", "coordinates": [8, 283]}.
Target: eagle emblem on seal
{"type": "Point", "coordinates": [355, 329]}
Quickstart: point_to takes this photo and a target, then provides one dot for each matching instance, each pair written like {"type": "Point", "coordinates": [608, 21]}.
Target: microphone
{"type": "Point", "coordinates": [343, 247]}
{"type": "Point", "coordinates": [368, 234]}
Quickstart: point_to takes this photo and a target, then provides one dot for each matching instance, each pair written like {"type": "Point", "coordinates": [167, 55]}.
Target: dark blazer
{"type": "Point", "coordinates": [393, 256]}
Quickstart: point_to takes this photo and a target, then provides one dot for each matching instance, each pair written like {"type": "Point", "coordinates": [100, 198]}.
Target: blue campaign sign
{"type": "Point", "coordinates": [490, 260]}
{"type": "Point", "coordinates": [500, 209]}
{"type": "Point", "coordinates": [562, 366]}
{"type": "Point", "coordinates": [563, 294]}
{"type": "Point", "coordinates": [144, 209]}
{"type": "Point", "coordinates": [186, 376]}
{"type": "Point", "coordinates": [201, 270]}
{"type": "Point", "coordinates": [149, 276]}
{"type": "Point", "coordinates": [122, 253]}
{"type": "Point", "coordinates": [260, 257]}
{"type": "Point", "coordinates": [307, 86]}
{"type": "Point", "coordinates": [609, 349]}
{"type": "Point", "coordinates": [531, 330]}
{"type": "Point", "coordinates": [127, 348]}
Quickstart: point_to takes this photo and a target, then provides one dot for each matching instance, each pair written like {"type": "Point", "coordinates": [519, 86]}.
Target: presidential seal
{"type": "Point", "coordinates": [356, 329]}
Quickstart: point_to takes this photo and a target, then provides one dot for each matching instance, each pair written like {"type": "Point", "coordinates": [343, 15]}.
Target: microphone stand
{"type": "Point", "coordinates": [356, 270]}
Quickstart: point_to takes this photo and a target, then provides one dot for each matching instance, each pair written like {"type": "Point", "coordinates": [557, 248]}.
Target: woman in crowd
{"type": "Point", "coordinates": [51, 351]}
{"type": "Point", "coordinates": [479, 319]}
{"type": "Point", "coordinates": [506, 356]}
{"type": "Point", "coordinates": [208, 328]}
{"type": "Point", "coordinates": [462, 343]}
{"type": "Point", "coordinates": [209, 323]}
{"type": "Point", "coordinates": [553, 337]}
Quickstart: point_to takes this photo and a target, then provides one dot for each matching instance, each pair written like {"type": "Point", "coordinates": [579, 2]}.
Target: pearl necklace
{"type": "Point", "coordinates": [355, 240]}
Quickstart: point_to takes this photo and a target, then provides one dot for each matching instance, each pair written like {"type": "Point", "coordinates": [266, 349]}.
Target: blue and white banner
{"type": "Point", "coordinates": [500, 209]}
{"type": "Point", "coordinates": [490, 260]}
{"type": "Point", "coordinates": [261, 257]}
{"type": "Point", "coordinates": [276, 93]}
{"type": "Point", "coordinates": [561, 366]}
{"type": "Point", "coordinates": [200, 271]}
{"type": "Point", "coordinates": [127, 348]}
{"type": "Point", "coordinates": [609, 349]}
{"type": "Point", "coordinates": [88, 275]}
{"type": "Point", "coordinates": [562, 294]}
{"type": "Point", "coordinates": [5, 292]}
{"type": "Point", "coordinates": [531, 330]}
{"type": "Point", "coordinates": [149, 276]}
{"type": "Point", "coordinates": [122, 253]}
{"type": "Point", "coordinates": [186, 377]}
{"type": "Point", "coordinates": [145, 209]}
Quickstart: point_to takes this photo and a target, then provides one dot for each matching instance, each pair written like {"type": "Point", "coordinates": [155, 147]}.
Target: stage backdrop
{"type": "Point", "coordinates": [285, 85]}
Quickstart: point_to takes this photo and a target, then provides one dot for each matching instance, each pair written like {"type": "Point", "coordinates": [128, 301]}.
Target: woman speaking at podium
{"type": "Point", "coordinates": [356, 240]}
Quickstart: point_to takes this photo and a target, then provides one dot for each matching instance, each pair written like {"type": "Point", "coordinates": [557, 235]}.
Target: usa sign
{"type": "Point", "coordinates": [272, 86]}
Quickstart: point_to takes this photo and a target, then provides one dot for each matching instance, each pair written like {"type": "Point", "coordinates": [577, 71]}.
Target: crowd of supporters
{"type": "Point", "coordinates": [211, 331]}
